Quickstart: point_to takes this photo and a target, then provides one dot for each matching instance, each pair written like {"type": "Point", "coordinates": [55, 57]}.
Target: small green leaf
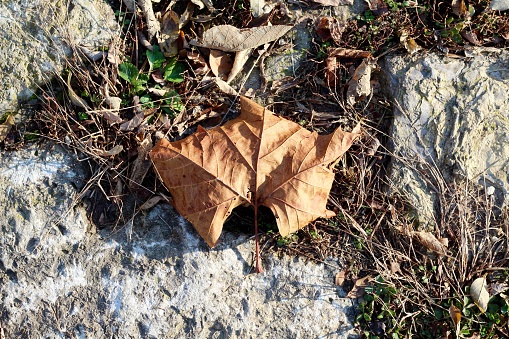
{"type": "Point", "coordinates": [173, 71]}
{"type": "Point", "coordinates": [128, 72]}
{"type": "Point", "coordinates": [155, 58]}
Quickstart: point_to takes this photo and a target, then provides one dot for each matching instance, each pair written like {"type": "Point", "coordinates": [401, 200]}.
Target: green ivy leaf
{"type": "Point", "coordinates": [155, 58]}
{"type": "Point", "coordinates": [173, 71]}
{"type": "Point", "coordinates": [128, 72]}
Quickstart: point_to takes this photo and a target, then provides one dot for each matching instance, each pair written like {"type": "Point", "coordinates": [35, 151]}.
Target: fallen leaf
{"type": "Point", "coordinates": [142, 164]}
{"type": "Point", "coordinates": [114, 151]}
{"type": "Point", "coordinates": [170, 32]}
{"type": "Point", "coordinates": [497, 288]}
{"type": "Point", "coordinates": [409, 43]}
{"type": "Point", "coordinates": [323, 29]}
{"type": "Point", "coordinates": [395, 268]}
{"type": "Point", "coordinates": [225, 87]}
{"type": "Point", "coordinates": [359, 85]}
{"type": "Point", "coordinates": [220, 63]}
{"type": "Point", "coordinates": [340, 278]}
{"type": "Point", "coordinates": [231, 39]}
{"type": "Point", "coordinates": [198, 62]}
{"type": "Point", "coordinates": [358, 288]}
{"type": "Point", "coordinates": [459, 8]}
{"type": "Point", "coordinates": [133, 123]}
{"type": "Point", "coordinates": [479, 293]}
{"type": "Point", "coordinates": [334, 2]}
{"type": "Point", "coordinates": [256, 159]}
{"type": "Point", "coordinates": [151, 202]}
{"type": "Point", "coordinates": [349, 53]}
{"type": "Point", "coordinates": [6, 127]}
{"type": "Point", "coordinates": [331, 76]}
{"type": "Point", "coordinates": [241, 58]}
{"type": "Point", "coordinates": [75, 99]}
{"type": "Point", "coordinates": [455, 314]}
{"type": "Point", "coordinates": [431, 242]}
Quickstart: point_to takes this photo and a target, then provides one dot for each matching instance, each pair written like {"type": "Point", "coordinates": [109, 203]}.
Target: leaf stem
{"type": "Point", "coordinates": [258, 266]}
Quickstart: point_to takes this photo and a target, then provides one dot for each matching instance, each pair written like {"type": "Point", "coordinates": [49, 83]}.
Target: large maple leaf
{"type": "Point", "coordinates": [256, 159]}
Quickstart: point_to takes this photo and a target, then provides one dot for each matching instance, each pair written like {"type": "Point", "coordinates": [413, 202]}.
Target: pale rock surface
{"type": "Point", "coordinates": [452, 121]}
{"type": "Point", "coordinates": [36, 35]}
{"type": "Point", "coordinates": [154, 278]}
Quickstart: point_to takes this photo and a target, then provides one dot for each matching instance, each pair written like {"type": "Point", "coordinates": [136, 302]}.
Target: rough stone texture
{"type": "Point", "coordinates": [453, 115]}
{"type": "Point", "coordinates": [154, 278]}
{"type": "Point", "coordinates": [35, 36]}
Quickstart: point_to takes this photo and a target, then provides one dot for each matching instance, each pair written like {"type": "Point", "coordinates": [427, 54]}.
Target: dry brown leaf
{"type": "Point", "coordinates": [142, 164]}
{"type": "Point", "coordinates": [395, 267]}
{"type": "Point", "coordinates": [6, 127]}
{"type": "Point", "coordinates": [240, 60]}
{"type": "Point", "coordinates": [75, 99]}
{"type": "Point", "coordinates": [231, 39]}
{"type": "Point", "coordinates": [151, 202]}
{"type": "Point", "coordinates": [340, 278]}
{"type": "Point", "coordinates": [224, 87]}
{"type": "Point", "coordinates": [455, 314]}
{"type": "Point", "coordinates": [349, 53]}
{"type": "Point", "coordinates": [170, 32]}
{"type": "Point", "coordinates": [331, 76]}
{"type": "Point", "coordinates": [431, 242]}
{"type": "Point", "coordinates": [133, 123]}
{"type": "Point", "coordinates": [256, 159]}
{"type": "Point", "coordinates": [410, 45]}
{"type": "Point", "coordinates": [220, 63]}
{"type": "Point", "coordinates": [358, 288]}
{"type": "Point", "coordinates": [360, 84]}
{"type": "Point", "coordinates": [114, 151]}
{"type": "Point", "coordinates": [479, 293]}
{"type": "Point", "coordinates": [198, 62]}
{"type": "Point", "coordinates": [459, 8]}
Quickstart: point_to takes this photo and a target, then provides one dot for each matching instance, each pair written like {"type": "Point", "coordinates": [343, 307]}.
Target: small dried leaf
{"type": "Point", "coordinates": [224, 87]}
{"type": "Point", "coordinates": [331, 76]}
{"type": "Point", "coordinates": [151, 202]}
{"type": "Point", "coordinates": [142, 163]}
{"type": "Point", "coordinates": [170, 32]}
{"type": "Point", "coordinates": [349, 53]}
{"type": "Point", "coordinates": [323, 29]}
{"type": "Point", "coordinates": [6, 127]}
{"type": "Point", "coordinates": [114, 151]}
{"type": "Point", "coordinates": [459, 8]}
{"type": "Point", "coordinates": [358, 289]}
{"type": "Point", "coordinates": [429, 241]}
{"type": "Point", "coordinates": [410, 45]}
{"type": "Point", "coordinates": [198, 62]}
{"type": "Point", "coordinates": [395, 267]}
{"type": "Point", "coordinates": [220, 63]}
{"type": "Point", "coordinates": [479, 293]}
{"type": "Point", "coordinates": [455, 314]}
{"type": "Point", "coordinates": [240, 60]}
{"type": "Point", "coordinates": [231, 39]}
{"type": "Point", "coordinates": [340, 278]}
{"type": "Point", "coordinates": [360, 84]}
{"type": "Point", "coordinates": [75, 99]}
{"type": "Point", "coordinates": [133, 123]}
{"type": "Point", "coordinates": [496, 288]}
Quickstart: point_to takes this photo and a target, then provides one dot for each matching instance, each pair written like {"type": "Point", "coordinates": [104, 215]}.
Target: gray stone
{"type": "Point", "coordinates": [452, 122]}
{"type": "Point", "coordinates": [36, 35]}
{"type": "Point", "coordinates": [152, 278]}
{"type": "Point", "coordinates": [499, 5]}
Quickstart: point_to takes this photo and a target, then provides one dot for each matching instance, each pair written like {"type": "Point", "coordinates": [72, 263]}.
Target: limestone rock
{"type": "Point", "coordinates": [452, 121]}
{"type": "Point", "coordinates": [152, 278]}
{"type": "Point", "coordinates": [36, 35]}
